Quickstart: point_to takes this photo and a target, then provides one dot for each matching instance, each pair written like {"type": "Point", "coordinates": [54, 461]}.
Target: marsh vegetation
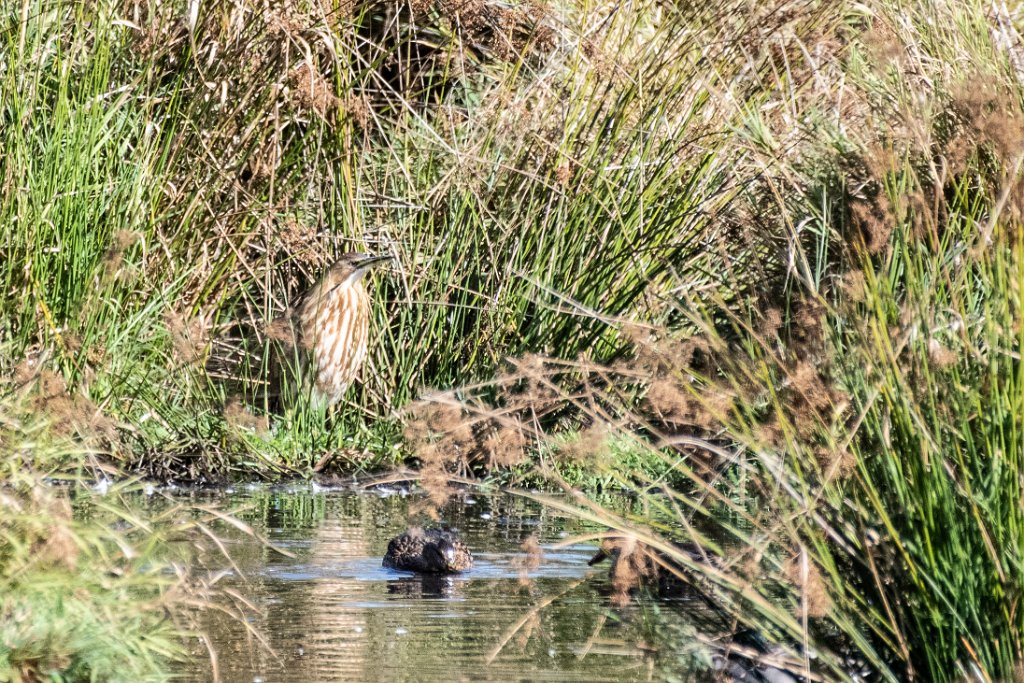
{"type": "Point", "coordinates": [757, 265]}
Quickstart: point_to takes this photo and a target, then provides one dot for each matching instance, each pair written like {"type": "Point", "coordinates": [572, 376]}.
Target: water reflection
{"type": "Point", "coordinates": [332, 613]}
{"type": "Point", "coordinates": [427, 586]}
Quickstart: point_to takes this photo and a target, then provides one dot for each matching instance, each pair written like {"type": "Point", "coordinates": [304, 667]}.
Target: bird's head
{"type": "Point", "coordinates": [449, 554]}
{"type": "Point", "coordinates": [444, 556]}
{"type": "Point", "coordinates": [352, 266]}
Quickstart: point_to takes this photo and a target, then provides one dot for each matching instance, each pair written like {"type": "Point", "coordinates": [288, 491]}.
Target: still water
{"type": "Point", "coordinates": [330, 612]}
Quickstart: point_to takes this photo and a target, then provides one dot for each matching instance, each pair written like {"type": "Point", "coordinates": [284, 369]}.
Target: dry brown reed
{"type": "Point", "coordinates": [45, 393]}
{"type": "Point", "coordinates": [57, 544]}
{"type": "Point", "coordinates": [806, 577]}
{"type": "Point", "coordinates": [451, 440]}
{"type": "Point", "coordinates": [940, 355]}
{"type": "Point", "coordinates": [694, 386]}
{"type": "Point", "coordinates": [190, 337]}
{"type": "Point", "coordinates": [238, 416]}
{"type": "Point", "coordinates": [313, 91]}
{"type": "Point", "coordinates": [113, 258]}
{"type": "Point", "coordinates": [591, 446]}
{"type": "Point", "coordinates": [532, 557]}
{"type": "Point", "coordinates": [633, 564]}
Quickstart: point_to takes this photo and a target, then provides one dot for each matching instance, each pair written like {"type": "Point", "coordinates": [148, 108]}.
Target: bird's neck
{"type": "Point", "coordinates": [352, 282]}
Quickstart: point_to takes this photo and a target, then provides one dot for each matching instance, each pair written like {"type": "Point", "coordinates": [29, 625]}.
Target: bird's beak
{"type": "Point", "coordinates": [369, 261]}
{"type": "Point", "coordinates": [364, 262]}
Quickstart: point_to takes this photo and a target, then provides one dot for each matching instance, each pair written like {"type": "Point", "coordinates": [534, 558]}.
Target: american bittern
{"type": "Point", "coordinates": [329, 328]}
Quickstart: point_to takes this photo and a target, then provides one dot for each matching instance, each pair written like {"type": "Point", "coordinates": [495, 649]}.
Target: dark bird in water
{"type": "Point", "coordinates": [433, 551]}
{"type": "Point", "coordinates": [328, 330]}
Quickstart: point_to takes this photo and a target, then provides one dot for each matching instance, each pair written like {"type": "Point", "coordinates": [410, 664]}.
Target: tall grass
{"type": "Point", "coordinates": [90, 588]}
{"type": "Point", "coordinates": [174, 174]}
{"type": "Point", "coordinates": [845, 448]}
{"type": "Point", "coordinates": [176, 178]}
{"type": "Point", "coordinates": [772, 248]}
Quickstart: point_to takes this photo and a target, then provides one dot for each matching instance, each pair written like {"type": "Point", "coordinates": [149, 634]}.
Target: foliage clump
{"type": "Point", "coordinates": [843, 443]}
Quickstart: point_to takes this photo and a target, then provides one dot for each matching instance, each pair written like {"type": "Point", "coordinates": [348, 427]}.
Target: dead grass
{"type": "Point", "coordinates": [113, 259]}
{"type": "Point", "coordinates": [238, 416]}
{"type": "Point", "coordinates": [590, 448]}
{"type": "Point", "coordinates": [44, 392]}
{"type": "Point", "coordinates": [313, 92]}
{"type": "Point", "coordinates": [676, 390]}
{"type": "Point", "coordinates": [190, 337]}
{"type": "Point", "coordinates": [804, 574]}
{"type": "Point", "coordinates": [632, 563]}
{"type": "Point", "coordinates": [530, 560]}
{"type": "Point", "coordinates": [57, 545]}
{"type": "Point", "coordinates": [450, 440]}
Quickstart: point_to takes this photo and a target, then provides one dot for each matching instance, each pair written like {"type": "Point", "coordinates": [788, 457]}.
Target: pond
{"type": "Point", "coordinates": [330, 612]}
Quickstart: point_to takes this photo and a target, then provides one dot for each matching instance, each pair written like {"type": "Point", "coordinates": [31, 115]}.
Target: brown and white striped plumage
{"type": "Point", "coordinates": [332, 324]}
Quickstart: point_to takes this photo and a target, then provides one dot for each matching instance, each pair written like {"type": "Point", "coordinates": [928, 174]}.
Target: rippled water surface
{"type": "Point", "coordinates": [332, 613]}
